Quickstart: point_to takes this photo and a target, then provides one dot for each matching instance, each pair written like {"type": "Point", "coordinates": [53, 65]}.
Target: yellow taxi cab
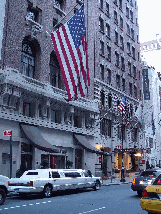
{"type": "Point", "coordinates": [151, 197]}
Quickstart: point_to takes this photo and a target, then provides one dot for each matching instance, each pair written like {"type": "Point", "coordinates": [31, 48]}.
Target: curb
{"type": "Point", "coordinates": [112, 184]}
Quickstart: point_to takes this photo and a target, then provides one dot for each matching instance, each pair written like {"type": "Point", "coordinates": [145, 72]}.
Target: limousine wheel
{"type": "Point", "coordinates": [47, 191]}
{"type": "Point", "coordinates": [97, 186]}
{"type": "Point", "coordinates": [2, 196]}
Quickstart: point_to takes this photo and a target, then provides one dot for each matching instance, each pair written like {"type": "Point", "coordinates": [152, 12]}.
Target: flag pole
{"type": "Point", "coordinates": [79, 3]}
{"type": "Point", "coordinates": [122, 151]}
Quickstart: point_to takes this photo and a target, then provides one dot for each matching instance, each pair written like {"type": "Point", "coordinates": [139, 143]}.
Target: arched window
{"type": "Point", "coordinates": [27, 60]}
{"type": "Point", "coordinates": [54, 76]}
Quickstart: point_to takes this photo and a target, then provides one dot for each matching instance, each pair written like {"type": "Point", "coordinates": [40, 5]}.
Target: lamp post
{"type": "Point", "coordinates": [122, 151]}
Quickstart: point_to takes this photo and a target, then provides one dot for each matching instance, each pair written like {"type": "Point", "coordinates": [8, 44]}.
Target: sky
{"type": "Point", "coordinates": [149, 18]}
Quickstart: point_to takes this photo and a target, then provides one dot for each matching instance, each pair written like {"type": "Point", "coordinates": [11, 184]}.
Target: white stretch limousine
{"type": "Point", "coordinates": [47, 181]}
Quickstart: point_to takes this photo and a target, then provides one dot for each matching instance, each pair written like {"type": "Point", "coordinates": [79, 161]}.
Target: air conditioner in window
{"type": "Point", "coordinates": [57, 3]}
{"type": "Point", "coordinates": [30, 15]}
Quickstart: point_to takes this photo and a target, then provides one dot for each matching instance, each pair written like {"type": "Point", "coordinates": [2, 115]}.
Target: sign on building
{"type": "Point", "coordinates": [146, 91]}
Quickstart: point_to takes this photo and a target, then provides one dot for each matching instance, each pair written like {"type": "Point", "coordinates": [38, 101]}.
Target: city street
{"type": "Point", "coordinates": [116, 199]}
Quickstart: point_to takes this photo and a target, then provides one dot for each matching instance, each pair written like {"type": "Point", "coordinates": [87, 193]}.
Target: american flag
{"type": "Point", "coordinates": [122, 108]}
{"type": "Point", "coordinates": [71, 50]}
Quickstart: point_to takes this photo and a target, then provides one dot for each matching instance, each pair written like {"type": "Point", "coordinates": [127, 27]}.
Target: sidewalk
{"type": "Point", "coordinates": [116, 180]}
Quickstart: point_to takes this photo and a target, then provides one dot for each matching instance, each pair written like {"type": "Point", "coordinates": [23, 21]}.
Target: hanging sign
{"type": "Point", "coordinates": [7, 133]}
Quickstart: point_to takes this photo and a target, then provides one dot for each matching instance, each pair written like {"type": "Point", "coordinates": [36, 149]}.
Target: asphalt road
{"type": "Point", "coordinates": [118, 199]}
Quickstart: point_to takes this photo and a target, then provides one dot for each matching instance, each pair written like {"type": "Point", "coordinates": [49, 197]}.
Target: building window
{"type": "Point", "coordinates": [32, 13]}
{"type": "Point", "coordinates": [115, 17]}
{"type": "Point", "coordinates": [134, 71]}
{"type": "Point", "coordinates": [139, 75]}
{"type": "Point", "coordinates": [131, 15]}
{"type": "Point", "coordinates": [127, 11]}
{"type": "Point", "coordinates": [109, 101]}
{"type": "Point", "coordinates": [101, 4]}
{"type": "Point", "coordinates": [130, 89]}
{"type": "Point", "coordinates": [101, 25]}
{"type": "Point", "coordinates": [54, 75]}
{"type": "Point", "coordinates": [121, 22]}
{"type": "Point", "coordinates": [77, 121]}
{"type": "Point", "coordinates": [116, 37]}
{"type": "Point", "coordinates": [140, 94]}
{"type": "Point", "coordinates": [137, 38]}
{"type": "Point", "coordinates": [122, 63]}
{"type": "Point", "coordinates": [135, 92]}
{"type": "Point", "coordinates": [102, 71]}
{"type": "Point", "coordinates": [128, 29]}
{"type": "Point", "coordinates": [107, 9]}
{"type": "Point", "coordinates": [102, 98]}
{"type": "Point", "coordinates": [133, 52]}
{"type": "Point", "coordinates": [115, 2]}
{"type": "Point", "coordinates": [101, 47]}
{"type": "Point", "coordinates": [27, 109]}
{"type": "Point", "coordinates": [120, 4]}
{"type": "Point", "coordinates": [108, 76]}
{"type": "Point", "coordinates": [138, 56]}
{"type": "Point", "coordinates": [129, 67]}
{"type": "Point", "coordinates": [117, 81]}
{"type": "Point", "coordinates": [27, 60]}
{"type": "Point", "coordinates": [123, 84]}
{"type": "Point", "coordinates": [108, 30]}
{"type": "Point", "coordinates": [136, 21]}
{"type": "Point", "coordinates": [119, 132]}
{"type": "Point", "coordinates": [55, 116]}
{"type": "Point", "coordinates": [128, 48]}
{"type": "Point", "coordinates": [132, 33]}
{"type": "Point", "coordinates": [105, 127]}
{"type": "Point", "coordinates": [131, 110]}
{"type": "Point", "coordinates": [121, 42]}
{"type": "Point", "coordinates": [117, 59]}
{"type": "Point", "coordinates": [109, 53]}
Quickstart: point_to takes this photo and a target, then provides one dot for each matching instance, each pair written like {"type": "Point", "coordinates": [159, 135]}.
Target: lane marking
{"type": "Point", "coordinates": [30, 204]}
{"type": "Point", "coordinates": [93, 210]}
{"type": "Point", "coordinates": [37, 203]}
{"type": "Point", "coordinates": [17, 206]}
{"type": "Point", "coordinates": [24, 205]}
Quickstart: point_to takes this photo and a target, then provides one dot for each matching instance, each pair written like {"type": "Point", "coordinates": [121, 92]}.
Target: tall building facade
{"type": "Point", "coordinates": [33, 103]}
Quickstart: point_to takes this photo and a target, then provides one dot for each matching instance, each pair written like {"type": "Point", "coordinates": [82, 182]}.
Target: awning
{"type": "Point", "coordinates": [33, 135]}
{"type": "Point", "coordinates": [82, 141]}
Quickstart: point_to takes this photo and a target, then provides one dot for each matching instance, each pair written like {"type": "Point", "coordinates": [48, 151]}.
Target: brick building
{"type": "Point", "coordinates": [33, 98]}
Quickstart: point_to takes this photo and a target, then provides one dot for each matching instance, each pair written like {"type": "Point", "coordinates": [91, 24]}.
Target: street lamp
{"type": "Point", "coordinates": [122, 151]}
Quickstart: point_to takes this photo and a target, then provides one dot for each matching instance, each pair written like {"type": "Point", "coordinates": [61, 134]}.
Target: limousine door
{"type": "Point", "coordinates": [88, 179]}
{"type": "Point", "coordinates": [58, 183]}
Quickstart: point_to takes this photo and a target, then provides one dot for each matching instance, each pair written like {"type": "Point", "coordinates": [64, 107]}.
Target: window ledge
{"type": "Point", "coordinates": [60, 11]}
{"type": "Point", "coordinates": [108, 37]}
{"type": "Point", "coordinates": [33, 23]}
{"type": "Point", "coordinates": [101, 32]}
{"type": "Point", "coordinates": [102, 55]}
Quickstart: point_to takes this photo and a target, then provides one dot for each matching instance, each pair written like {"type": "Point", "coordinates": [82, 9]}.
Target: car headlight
{"type": "Point", "coordinates": [149, 182]}
{"type": "Point", "coordinates": [141, 182]}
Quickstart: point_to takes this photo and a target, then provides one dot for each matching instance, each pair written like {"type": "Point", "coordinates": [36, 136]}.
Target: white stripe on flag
{"type": "Point", "coordinates": [64, 65]}
{"type": "Point", "coordinates": [69, 57]}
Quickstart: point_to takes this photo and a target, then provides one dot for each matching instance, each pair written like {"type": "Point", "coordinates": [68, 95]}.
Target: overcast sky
{"type": "Point", "coordinates": [149, 19]}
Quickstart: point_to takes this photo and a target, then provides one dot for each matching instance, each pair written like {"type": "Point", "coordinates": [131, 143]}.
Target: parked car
{"type": "Point", "coordinates": [146, 177]}
{"type": "Point", "coordinates": [3, 188]}
{"type": "Point", "coordinates": [46, 181]}
{"type": "Point", "coordinates": [151, 197]}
